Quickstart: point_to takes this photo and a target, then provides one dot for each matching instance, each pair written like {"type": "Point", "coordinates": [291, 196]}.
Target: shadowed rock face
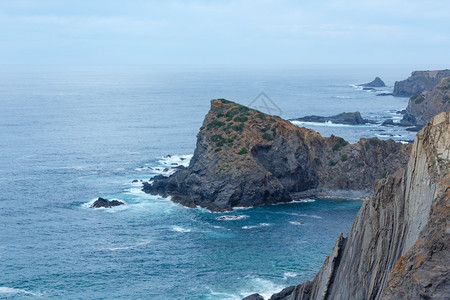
{"type": "Point", "coordinates": [418, 82]}
{"type": "Point", "coordinates": [398, 246]}
{"type": "Point", "coordinates": [424, 106]}
{"type": "Point", "coordinates": [246, 158]}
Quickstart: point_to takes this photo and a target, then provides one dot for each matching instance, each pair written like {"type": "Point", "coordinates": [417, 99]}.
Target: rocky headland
{"type": "Point", "coordinates": [247, 158]}
{"type": "Point", "coordinates": [398, 245]}
{"type": "Point", "coordinates": [351, 118]}
{"type": "Point", "coordinates": [425, 105]}
{"type": "Point", "coordinates": [418, 82]}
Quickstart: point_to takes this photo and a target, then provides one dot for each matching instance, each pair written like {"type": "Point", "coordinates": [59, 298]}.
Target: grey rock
{"type": "Point", "coordinates": [377, 82]}
{"type": "Point", "coordinates": [254, 297]}
{"type": "Point", "coordinates": [352, 118]}
{"type": "Point", "coordinates": [418, 82]}
{"type": "Point", "coordinates": [424, 106]}
{"type": "Point", "coordinates": [102, 202]}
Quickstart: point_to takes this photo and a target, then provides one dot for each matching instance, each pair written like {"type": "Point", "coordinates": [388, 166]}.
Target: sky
{"type": "Point", "coordinates": [130, 32]}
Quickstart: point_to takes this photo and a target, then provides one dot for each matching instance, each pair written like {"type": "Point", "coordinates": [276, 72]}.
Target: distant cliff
{"type": "Point", "coordinates": [418, 82]}
{"type": "Point", "coordinates": [247, 158]}
{"type": "Point", "coordinates": [424, 106]}
{"type": "Point", "coordinates": [398, 246]}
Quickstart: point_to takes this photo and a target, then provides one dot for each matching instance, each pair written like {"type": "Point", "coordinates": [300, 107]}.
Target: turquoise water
{"type": "Point", "coordinates": [70, 135]}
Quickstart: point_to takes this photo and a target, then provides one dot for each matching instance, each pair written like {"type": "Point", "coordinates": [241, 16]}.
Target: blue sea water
{"type": "Point", "coordinates": [69, 135]}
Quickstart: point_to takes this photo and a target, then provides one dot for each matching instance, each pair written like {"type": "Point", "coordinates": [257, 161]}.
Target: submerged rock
{"type": "Point", "coordinates": [102, 202]}
{"type": "Point", "coordinates": [377, 82]}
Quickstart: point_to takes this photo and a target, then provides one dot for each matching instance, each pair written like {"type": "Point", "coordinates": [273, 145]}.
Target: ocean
{"type": "Point", "coordinates": [71, 134]}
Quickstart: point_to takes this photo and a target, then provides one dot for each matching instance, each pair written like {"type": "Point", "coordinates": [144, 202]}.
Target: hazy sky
{"type": "Point", "coordinates": [224, 32]}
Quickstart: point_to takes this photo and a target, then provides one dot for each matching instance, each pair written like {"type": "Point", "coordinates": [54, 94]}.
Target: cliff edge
{"type": "Point", "coordinates": [246, 158]}
{"type": "Point", "coordinates": [418, 82]}
{"type": "Point", "coordinates": [424, 106]}
{"type": "Point", "coordinates": [398, 245]}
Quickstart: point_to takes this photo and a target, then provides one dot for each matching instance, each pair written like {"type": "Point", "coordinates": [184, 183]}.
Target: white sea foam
{"type": "Point", "coordinates": [13, 291]}
{"type": "Point", "coordinates": [297, 223]}
{"type": "Point", "coordinates": [305, 215]}
{"type": "Point", "coordinates": [256, 226]}
{"type": "Point", "coordinates": [304, 201]}
{"type": "Point", "coordinates": [176, 160]}
{"type": "Point", "coordinates": [264, 287]}
{"type": "Point", "coordinates": [180, 229]}
{"type": "Point", "coordinates": [287, 275]}
{"type": "Point", "coordinates": [326, 124]}
{"type": "Point", "coordinates": [232, 217]}
{"type": "Point", "coordinates": [140, 244]}
{"type": "Point", "coordinates": [343, 97]}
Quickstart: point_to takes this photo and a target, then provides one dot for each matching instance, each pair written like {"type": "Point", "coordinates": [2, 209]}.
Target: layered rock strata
{"type": "Point", "coordinates": [398, 246]}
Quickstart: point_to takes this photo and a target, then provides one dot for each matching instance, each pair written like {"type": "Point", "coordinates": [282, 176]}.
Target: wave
{"type": "Point", "coordinates": [176, 160]}
{"type": "Point", "coordinates": [232, 217]}
{"type": "Point", "coordinates": [180, 229]}
{"type": "Point", "coordinates": [297, 223]}
{"type": "Point", "coordinates": [13, 291]}
{"type": "Point", "coordinates": [144, 243]}
{"type": "Point", "coordinates": [287, 275]}
{"type": "Point", "coordinates": [327, 124]}
{"type": "Point", "coordinates": [256, 226]}
{"type": "Point", "coordinates": [305, 215]}
{"type": "Point", "coordinates": [304, 201]}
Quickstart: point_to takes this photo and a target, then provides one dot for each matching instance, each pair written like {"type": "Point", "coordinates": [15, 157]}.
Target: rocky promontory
{"type": "Point", "coordinates": [425, 105]}
{"type": "Point", "coordinates": [398, 245]}
{"type": "Point", "coordinates": [418, 82]}
{"type": "Point", "coordinates": [351, 118]}
{"type": "Point", "coordinates": [244, 157]}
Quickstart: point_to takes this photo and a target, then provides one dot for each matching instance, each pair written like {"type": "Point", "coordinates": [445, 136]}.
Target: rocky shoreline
{"type": "Point", "coordinates": [398, 246]}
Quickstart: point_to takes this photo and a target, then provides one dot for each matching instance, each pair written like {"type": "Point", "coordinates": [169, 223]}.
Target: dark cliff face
{"type": "Point", "coordinates": [424, 106]}
{"type": "Point", "coordinates": [246, 158]}
{"type": "Point", "coordinates": [398, 246]}
{"type": "Point", "coordinates": [418, 82]}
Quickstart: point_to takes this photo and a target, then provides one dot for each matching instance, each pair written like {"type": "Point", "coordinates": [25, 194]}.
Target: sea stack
{"type": "Point", "coordinates": [377, 82]}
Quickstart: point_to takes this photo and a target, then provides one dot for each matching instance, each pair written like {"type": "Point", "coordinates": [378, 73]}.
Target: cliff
{"type": "Point", "coordinates": [398, 245]}
{"type": "Point", "coordinates": [424, 106]}
{"type": "Point", "coordinates": [246, 158]}
{"type": "Point", "coordinates": [418, 82]}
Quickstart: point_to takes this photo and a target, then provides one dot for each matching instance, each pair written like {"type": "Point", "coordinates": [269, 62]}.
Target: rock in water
{"type": "Point", "coordinates": [351, 118]}
{"type": "Point", "coordinates": [102, 202]}
{"type": "Point", "coordinates": [377, 82]}
{"type": "Point", "coordinates": [418, 82]}
{"type": "Point", "coordinates": [247, 158]}
{"type": "Point", "coordinates": [399, 244]}
{"type": "Point", "coordinates": [254, 297]}
{"type": "Point", "coordinates": [424, 106]}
